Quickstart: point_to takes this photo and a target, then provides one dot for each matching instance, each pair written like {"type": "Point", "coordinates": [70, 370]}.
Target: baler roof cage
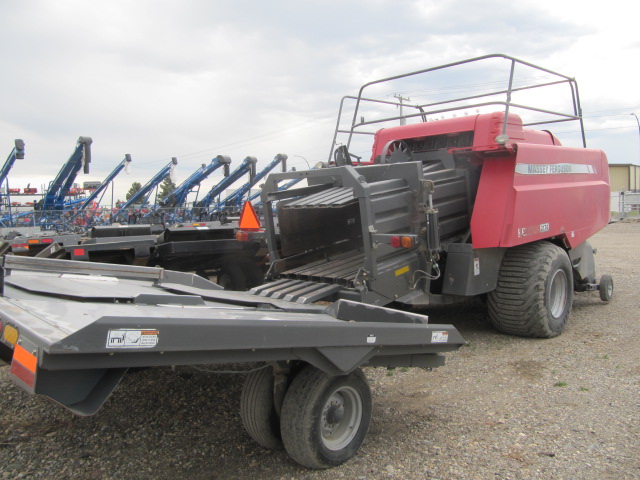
{"type": "Point", "coordinates": [539, 86]}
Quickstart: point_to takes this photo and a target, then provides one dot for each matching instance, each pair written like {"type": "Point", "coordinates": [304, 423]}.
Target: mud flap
{"type": "Point", "coordinates": [81, 391]}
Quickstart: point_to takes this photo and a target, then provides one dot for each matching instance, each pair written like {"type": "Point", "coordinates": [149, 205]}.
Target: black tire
{"type": "Point", "coordinates": [606, 287]}
{"type": "Point", "coordinates": [232, 277]}
{"type": "Point", "coordinates": [253, 273]}
{"type": "Point", "coordinates": [257, 409]}
{"type": "Point", "coordinates": [534, 294]}
{"type": "Point", "coordinates": [324, 419]}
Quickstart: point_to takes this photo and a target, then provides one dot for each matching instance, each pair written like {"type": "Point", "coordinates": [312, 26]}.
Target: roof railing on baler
{"type": "Point", "coordinates": [422, 112]}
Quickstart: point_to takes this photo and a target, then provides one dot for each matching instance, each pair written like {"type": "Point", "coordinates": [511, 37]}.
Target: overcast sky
{"type": "Point", "coordinates": [197, 78]}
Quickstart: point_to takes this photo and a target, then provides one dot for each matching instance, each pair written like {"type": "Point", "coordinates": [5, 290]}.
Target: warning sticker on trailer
{"type": "Point", "coordinates": [439, 337]}
{"type": "Point", "coordinates": [130, 338]}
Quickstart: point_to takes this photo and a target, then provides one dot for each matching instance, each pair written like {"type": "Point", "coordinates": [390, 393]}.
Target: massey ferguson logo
{"type": "Point", "coordinates": [553, 168]}
{"type": "Point", "coordinates": [548, 169]}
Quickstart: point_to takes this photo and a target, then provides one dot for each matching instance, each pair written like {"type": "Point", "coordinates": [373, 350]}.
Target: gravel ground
{"type": "Point", "coordinates": [501, 408]}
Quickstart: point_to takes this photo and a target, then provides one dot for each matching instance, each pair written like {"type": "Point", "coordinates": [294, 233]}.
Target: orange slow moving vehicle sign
{"type": "Point", "coordinates": [248, 218]}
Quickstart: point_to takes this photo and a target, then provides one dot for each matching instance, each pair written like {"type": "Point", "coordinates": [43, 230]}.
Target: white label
{"type": "Point", "coordinates": [129, 338]}
{"type": "Point", "coordinates": [553, 168]}
{"type": "Point", "coordinates": [371, 339]}
{"type": "Point", "coordinates": [476, 267]}
{"type": "Point", "coordinates": [439, 337]}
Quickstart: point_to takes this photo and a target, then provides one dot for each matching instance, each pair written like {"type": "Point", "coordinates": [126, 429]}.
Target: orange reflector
{"type": "Point", "coordinates": [407, 242]}
{"type": "Point", "coordinates": [242, 236]}
{"type": "Point", "coordinates": [248, 219]}
{"type": "Point", "coordinates": [33, 241]}
{"type": "Point", "coordinates": [28, 360]}
{"type": "Point", "coordinates": [23, 366]}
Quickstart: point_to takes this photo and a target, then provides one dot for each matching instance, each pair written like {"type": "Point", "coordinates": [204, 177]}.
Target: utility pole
{"type": "Point", "coordinates": [403, 121]}
{"type": "Point", "coordinates": [635, 187]}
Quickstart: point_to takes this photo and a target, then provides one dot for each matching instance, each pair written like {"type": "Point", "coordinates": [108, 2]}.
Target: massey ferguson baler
{"type": "Point", "coordinates": [450, 206]}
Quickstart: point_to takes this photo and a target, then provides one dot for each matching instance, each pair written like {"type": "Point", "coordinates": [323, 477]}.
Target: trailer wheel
{"type": "Point", "coordinates": [257, 409]}
{"type": "Point", "coordinates": [606, 287]}
{"type": "Point", "coordinates": [325, 419]}
{"type": "Point", "coordinates": [534, 294]}
{"type": "Point", "coordinates": [232, 277]}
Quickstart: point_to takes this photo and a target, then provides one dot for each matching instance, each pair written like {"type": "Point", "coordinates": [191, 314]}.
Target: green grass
{"type": "Point", "coordinates": [560, 384]}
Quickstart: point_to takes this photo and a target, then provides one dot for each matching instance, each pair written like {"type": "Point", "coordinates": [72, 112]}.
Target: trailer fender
{"type": "Point", "coordinates": [81, 391]}
{"type": "Point", "coordinates": [336, 360]}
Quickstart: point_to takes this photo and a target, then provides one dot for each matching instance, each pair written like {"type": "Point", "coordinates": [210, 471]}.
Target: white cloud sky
{"type": "Point", "coordinates": [194, 78]}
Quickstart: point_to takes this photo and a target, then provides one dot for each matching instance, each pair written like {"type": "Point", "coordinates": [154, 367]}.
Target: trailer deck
{"type": "Point", "coordinates": [81, 325]}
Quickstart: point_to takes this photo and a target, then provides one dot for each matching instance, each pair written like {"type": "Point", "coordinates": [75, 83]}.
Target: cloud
{"type": "Point", "coordinates": [195, 78]}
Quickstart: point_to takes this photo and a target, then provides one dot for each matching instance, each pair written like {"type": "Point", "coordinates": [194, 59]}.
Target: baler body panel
{"type": "Point", "coordinates": [538, 192]}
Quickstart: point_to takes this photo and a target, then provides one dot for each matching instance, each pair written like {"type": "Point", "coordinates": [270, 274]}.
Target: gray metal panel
{"type": "Point", "coordinates": [471, 271]}
{"type": "Point", "coordinates": [14, 262]}
{"type": "Point", "coordinates": [341, 268]}
{"type": "Point", "coordinates": [314, 267]}
{"type": "Point", "coordinates": [74, 286]}
{"type": "Point", "coordinates": [329, 198]}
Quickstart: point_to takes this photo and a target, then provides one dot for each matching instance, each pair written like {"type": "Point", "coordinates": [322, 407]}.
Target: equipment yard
{"type": "Point", "coordinates": [502, 407]}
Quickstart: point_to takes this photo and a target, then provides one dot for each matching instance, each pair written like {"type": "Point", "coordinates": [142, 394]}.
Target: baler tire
{"type": "Point", "coordinates": [257, 410]}
{"type": "Point", "coordinates": [325, 419]}
{"type": "Point", "coordinates": [606, 287]}
{"type": "Point", "coordinates": [534, 293]}
{"type": "Point", "coordinates": [232, 277]}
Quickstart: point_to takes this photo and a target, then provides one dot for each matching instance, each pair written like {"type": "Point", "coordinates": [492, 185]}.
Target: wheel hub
{"type": "Point", "coordinates": [558, 293]}
{"type": "Point", "coordinates": [341, 417]}
{"type": "Point", "coordinates": [335, 414]}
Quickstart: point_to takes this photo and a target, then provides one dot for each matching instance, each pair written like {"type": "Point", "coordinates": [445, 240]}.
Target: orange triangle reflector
{"type": "Point", "coordinates": [248, 218]}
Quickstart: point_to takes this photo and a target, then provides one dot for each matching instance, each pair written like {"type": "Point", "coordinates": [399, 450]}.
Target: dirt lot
{"type": "Point", "coordinates": [502, 408]}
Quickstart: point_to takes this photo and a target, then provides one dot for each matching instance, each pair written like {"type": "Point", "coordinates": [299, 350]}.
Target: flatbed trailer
{"type": "Point", "coordinates": [71, 331]}
{"type": "Point", "coordinates": [211, 249]}
{"type": "Point", "coordinates": [207, 248]}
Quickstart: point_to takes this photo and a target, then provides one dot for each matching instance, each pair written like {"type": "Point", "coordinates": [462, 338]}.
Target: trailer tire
{"type": "Point", "coordinates": [534, 293]}
{"type": "Point", "coordinates": [325, 419]}
{"type": "Point", "coordinates": [257, 409]}
{"type": "Point", "coordinates": [606, 287]}
{"type": "Point", "coordinates": [232, 277]}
